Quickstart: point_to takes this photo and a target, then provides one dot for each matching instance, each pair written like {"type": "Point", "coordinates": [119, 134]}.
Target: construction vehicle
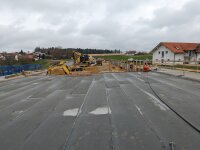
{"type": "Point", "coordinates": [59, 69]}
{"type": "Point", "coordinates": [84, 64]}
{"type": "Point", "coordinates": [83, 60]}
{"type": "Point", "coordinates": [80, 62]}
{"type": "Point", "coordinates": [76, 57]}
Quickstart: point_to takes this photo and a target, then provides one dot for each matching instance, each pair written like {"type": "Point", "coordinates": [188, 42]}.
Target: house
{"type": "Point", "coordinates": [39, 55]}
{"type": "Point", "coordinates": [176, 53]}
{"type": "Point", "coordinates": [131, 52]}
{"type": "Point", "coordinates": [198, 53]}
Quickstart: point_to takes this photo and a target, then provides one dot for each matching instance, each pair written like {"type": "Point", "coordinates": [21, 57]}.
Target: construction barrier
{"type": "Point", "coordinates": [8, 70]}
{"type": "Point", "coordinates": [131, 66]}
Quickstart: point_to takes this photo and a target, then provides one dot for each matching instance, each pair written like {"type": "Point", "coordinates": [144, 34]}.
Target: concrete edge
{"type": "Point", "coordinates": [22, 76]}
{"type": "Point", "coordinates": [19, 77]}
{"type": "Point", "coordinates": [178, 76]}
{"type": "Point", "coordinates": [35, 74]}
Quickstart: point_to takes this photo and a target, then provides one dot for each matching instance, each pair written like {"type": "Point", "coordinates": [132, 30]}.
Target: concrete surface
{"type": "Point", "coordinates": [184, 74]}
{"type": "Point", "coordinates": [101, 112]}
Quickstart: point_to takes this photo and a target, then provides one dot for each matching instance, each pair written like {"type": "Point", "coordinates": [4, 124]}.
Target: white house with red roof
{"type": "Point", "coordinates": [176, 53]}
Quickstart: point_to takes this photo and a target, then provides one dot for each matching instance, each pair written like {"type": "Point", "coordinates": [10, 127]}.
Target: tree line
{"type": "Point", "coordinates": [66, 53]}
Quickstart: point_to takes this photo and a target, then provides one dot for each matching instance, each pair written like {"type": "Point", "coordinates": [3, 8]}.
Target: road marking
{"type": "Point", "coordinates": [18, 112]}
{"type": "Point", "coordinates": [66, 145]}
{"type": "Point", "coordinates": [35, 83]}
{"type": "Point", "coordinates": [139, 110]}
{"type": "Point", "coordinates": [109, 110]}
{"type": "Point", "coordinates": [140, 79]}
{"type": "Point", "coordinates": [106, 78]}
{"type": "Point", "coordinates": [117, 77]}
{"type": "Point", "coordinates": [71, 112]}
{"type": "Point", "coordinates": [137, 77]}
{"type": "Point", "coordinates": [101, 111]}
{"type": "Point", "coordinates": [69, 97]}
{"type": "Point", "coordinates": [155, 100]}
{"type": "Point", "coordinates": [133, 75]}
{"type": "Point", "coordinates": [26, 99]}
{"type": "Point", "coordinates": [35, 98]}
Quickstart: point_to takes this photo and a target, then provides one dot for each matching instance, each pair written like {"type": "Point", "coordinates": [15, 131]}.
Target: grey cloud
{"type": "Point", "coordinates": [166, 16]}
{"type": "Point", "coordinates": [97, 24]}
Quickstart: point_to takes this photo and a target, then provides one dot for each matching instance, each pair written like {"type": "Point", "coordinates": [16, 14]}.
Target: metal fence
{"type": "Point", "coordinates": [8, 70]}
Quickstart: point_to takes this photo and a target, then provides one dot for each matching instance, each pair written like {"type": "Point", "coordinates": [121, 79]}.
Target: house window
{"type": "Point", "coordinates": [159, 52]}
{"type": "Point", "coordinates": [163, 53]}
{"type": "Point", "coordinates": [156, 59]}
{"type": "Point", "coordinates": [179, 59]}
{"type": "Point", "coordinates": [166, 52]}
{"type": "Point", "coordinates": [168, 59]}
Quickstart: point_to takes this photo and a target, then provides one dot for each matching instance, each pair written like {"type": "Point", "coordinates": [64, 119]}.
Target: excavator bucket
{"type": "Point", "coordinates": [60, 69]}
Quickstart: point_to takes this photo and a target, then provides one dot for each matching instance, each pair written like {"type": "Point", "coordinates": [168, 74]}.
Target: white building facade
{"type": "Point", "coordinates": [175, 53]}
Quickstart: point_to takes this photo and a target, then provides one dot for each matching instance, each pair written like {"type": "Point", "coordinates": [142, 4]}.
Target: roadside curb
{"type": "Point", "coordinates": [178, 76]}
{"type": "Point", "coordinates": [35, 74]}
{"type": "Point", "coordinates": [22, 76]}
{"type": "Point", "coordinates": [5, 80]}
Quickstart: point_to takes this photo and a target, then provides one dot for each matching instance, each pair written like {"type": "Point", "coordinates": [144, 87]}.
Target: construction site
{"type": "Point", "coordinates": [90, 103]}
{"type": "Point", "coordinates": [84, 64]}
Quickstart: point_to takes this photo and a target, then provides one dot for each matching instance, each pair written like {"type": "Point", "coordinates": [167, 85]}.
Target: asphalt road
{"type": "Point", "coordinates": [117, 111]}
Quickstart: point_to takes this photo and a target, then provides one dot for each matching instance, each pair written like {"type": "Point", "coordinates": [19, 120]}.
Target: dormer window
{"type": "Point", "coordinates": [177, 48]}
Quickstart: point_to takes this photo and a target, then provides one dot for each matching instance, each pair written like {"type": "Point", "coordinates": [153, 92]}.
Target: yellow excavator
{"type": "Point", "coordinates": [81, 61]}
{"type": "Point", "coordinates": [76, 57]}
{"type": "Point", "coordinates": [59, 69]}
{"type": "Point", "coordinates": [62, 69]}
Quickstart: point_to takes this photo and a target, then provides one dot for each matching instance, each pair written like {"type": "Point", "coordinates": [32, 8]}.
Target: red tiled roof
{"type": "Point", "coordinates": [177, 47]}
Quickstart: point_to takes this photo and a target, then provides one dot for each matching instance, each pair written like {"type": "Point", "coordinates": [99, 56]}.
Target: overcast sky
{"type": "Point", "coordinates": [111, 24]}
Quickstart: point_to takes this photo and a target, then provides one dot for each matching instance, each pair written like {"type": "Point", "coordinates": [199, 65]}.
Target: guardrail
{"type": "Point", "coordinates": [8, 70]}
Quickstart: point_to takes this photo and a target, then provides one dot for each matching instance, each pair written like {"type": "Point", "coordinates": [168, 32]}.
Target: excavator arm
{"type": "Point", "coordinates": [77, 57]}
{"type": "Point", "coordinates": [66, 69]}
